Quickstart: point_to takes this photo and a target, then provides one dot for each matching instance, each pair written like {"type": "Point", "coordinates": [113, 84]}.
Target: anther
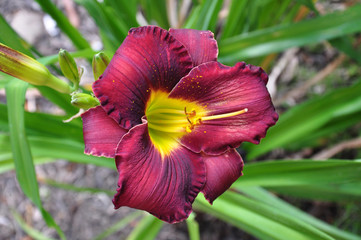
{"type": "Point", "coordinates": [191, 114]}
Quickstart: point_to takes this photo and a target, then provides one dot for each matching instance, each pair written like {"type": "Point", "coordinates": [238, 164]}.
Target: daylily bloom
{"type": "Point", "coordinates": [172, 116]}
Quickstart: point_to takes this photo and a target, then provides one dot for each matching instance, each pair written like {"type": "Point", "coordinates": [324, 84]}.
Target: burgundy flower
{"type": "Point", "coordinates": [172, 116]}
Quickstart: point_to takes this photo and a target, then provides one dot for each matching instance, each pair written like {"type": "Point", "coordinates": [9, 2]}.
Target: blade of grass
{"type": "Point", "coordinates": [46, 149]}
{"type": "Point", "coordinates": [10, 38]}
{"type": "Point", "coordinates": [112, 229]}
{"type": "Point", "coordinates": [328, 132]}
{"type": "Point", "coordinates": [40, 124]}
{"type": "Point", "coordinates": [114, 29]}
{"type": "Point", "coordinates": [346, 45]}
{"type": "Point", "coordinates": [235, 19]}
{"type": "Point", "coordinates": [33, 233]}
{"type": "Point", "coordinates": [270, 199]}
{"type": "Point", "coordinates": [156, 10]}
{"type": "Point", "coordinates": [302, 120]}
{"type": "Point", "coordinates": [207, 15]}
{"type": "Point", "coordinates": [279, 38]}
{"type": "Point", "coordinates": [258, 219]}
{"type": "Point", "coordinates": [287, 173]}
{"type": "Point", "coordinates": [146, 229]}
{"type": "Point", "coordinates": [193, 227]}
{"type": "Point", "coordinates": [118, 225]}
{"type": "Point", "coordinates": [63, 23]}
{"type": "Point", "coordinates": [71, 187]}
{"type": "Point", "coordinates": [126, 10]}
{"type": "Point", "coordinates": [345, 192]}
{"type": "Point", "coordinates": [309, 4]}
{"type": "Point", "coordinates": [25, 172]}
{"type": "Point", "coordinates": [66, 149]}
{"type": "Point", "coordinates": [85, 53]}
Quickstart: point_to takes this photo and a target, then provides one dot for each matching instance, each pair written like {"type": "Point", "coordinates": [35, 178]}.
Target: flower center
{"type": "Point", "coordinates": [169, 119]}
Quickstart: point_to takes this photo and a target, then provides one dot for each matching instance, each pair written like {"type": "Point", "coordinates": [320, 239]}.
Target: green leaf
{"type": "Point", "coordinates": [279, 38]}
{"type": "Point", "coordinates": [41, 124]}
{"type": "Point", "coordinates": [259, 219]}
{"type": "Point", "coordinates": [113, 30]}
{"type": "Point", "coordinates": [305, 119]}
{"type": "Point", "coordinates": [33, 233]}
{"type": "Point", "coordinates": [328, 132]}
{"type": "Point", "coordinates": [266, 197]}
{"type": "Point", "coordinates": [85, 53]}
{"type": "Point", "coordinates": [10, 38]}
{"type": "Point", "coordinates": [146, 229]}
{"type": "Point", "coordinates": [119, 225]}
{"type": "Point", "coordinates": [345, 44]}
{"type": "Point", "coordinates": [66, 149]}
{"type": "Point", "coordinates": [25, 172]}
{"type": "Point", "coordinates": [63, 23]}
{"type": "Point", "coordinates": [287, 173]}
{"type": "Point", "coordinates": [127, 10]}
{"type": "Point", "coordinates": [73, 188]}
{"type": "Point", "coordinates": [156, 10]}
{"type": "Point", "coordinates": [309, 4]}
{"type": "Point", "coordinates": [207, 15]}
{"type": "Point", "coordinates": [193, 227]}
{"type": "Point", "coordinates": [236, 19]}
{"type": "Point", "coordinates": [330, 191]}
{"type": "Point", "coordinates": [47, 149]}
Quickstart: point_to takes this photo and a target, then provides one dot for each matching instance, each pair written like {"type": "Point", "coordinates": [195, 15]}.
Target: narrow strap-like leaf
{"type": "Point", "coordinates": [25, 171]}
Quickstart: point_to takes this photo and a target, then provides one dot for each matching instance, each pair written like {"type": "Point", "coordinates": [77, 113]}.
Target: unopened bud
{"type": "Point", "coordinates": [83, 100]}
{"type": "Point", "coordinates": [69, 67]}
{"type": "Point", "coordinates": [29, 70]}
{"type": "Point", "coordinates": [100, 63]}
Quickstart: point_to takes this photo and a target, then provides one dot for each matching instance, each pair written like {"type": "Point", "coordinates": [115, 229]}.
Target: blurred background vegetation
{"type": "Point", "coordinates": [302, 182]}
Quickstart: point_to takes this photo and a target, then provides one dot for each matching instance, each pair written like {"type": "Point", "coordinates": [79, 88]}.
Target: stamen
{"type": "Point", "coordinates": [191, 114]}
{"type": "Point", "coordinates": [225, 115]}
{"type": "Point", "coordinates": [189, 128]}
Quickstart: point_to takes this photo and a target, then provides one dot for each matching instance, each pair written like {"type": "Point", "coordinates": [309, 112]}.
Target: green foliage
{"type": "Point", "coordinates": [245, 29]}
{"type": "Point", "coordinates": [282, 37]}
{"type": "Point", "coordinates": [147, 229]}
{"type": "Point", "coordinates": [25, 171]}
{"type": "Point", "coordinates": [302, 121]}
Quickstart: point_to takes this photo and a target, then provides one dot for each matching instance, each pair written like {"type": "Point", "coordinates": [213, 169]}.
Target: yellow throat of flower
{"type": "Point", "coordinates": [169, 119]}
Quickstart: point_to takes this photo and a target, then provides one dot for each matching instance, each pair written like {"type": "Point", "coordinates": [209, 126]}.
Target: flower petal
{"type": "Point", "coordinates": [149, 58]}
{"type": "Point", "coordinates": [222, 171]}
{"type": "Point", "coordinates": [222, 90]}
{"type": "Point", "coordinates": [101, 133]}
{"type": "Point", "coordinates": [165, 187]}
{"type": "Point", "coordinates": [201, 45]}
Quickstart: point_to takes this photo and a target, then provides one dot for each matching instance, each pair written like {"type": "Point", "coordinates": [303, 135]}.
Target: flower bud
{"type": "Point", "coordinates": [83, 100]}
{"type": "Point", "coordinates": [100, 63]}
{"type": "Point", "coordinates": [69, 67]}
{"type": "Point", "coordinates": [29, 70]}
